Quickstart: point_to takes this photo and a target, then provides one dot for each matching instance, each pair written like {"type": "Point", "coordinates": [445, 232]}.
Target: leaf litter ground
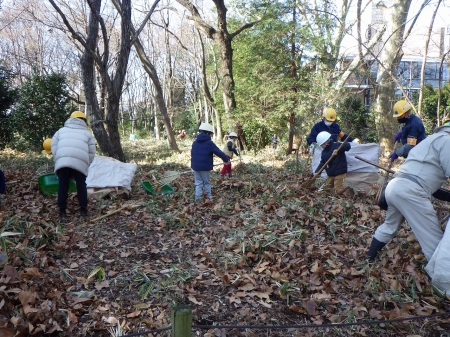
{"type": "Point", "coordinates": [263, 252]}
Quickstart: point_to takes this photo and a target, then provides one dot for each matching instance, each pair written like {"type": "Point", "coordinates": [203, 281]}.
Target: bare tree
{"type": "Point", "coordinates": [152, 73]}
{"type": "Point", "coordinates": [395, 15]}
{"type": "Point", "coordinates": [223, 39]}
{"type": "Point", "coordinates": [97, 57]}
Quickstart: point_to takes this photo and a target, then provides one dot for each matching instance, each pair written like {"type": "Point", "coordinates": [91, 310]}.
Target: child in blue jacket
{"type": "Point", "coordinates": [337, 167]}
{"type": "Point", "coordinates": [202, 153]}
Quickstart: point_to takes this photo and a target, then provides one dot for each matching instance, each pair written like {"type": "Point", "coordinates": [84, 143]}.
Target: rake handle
{"type": "Point", "coordinates": [331, 157]}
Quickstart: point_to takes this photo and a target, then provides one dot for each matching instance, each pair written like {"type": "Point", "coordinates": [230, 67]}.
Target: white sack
{"type": "Point", "coordinates": [369, 151]}
{"type": "Point", "coordinates": [360, 175]}
{"type": "Point", "coordinates": [439, 265]}
{"type": "Point", "coordinates": [110, 172]}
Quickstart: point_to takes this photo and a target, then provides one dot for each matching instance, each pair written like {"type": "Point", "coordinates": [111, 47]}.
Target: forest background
{"type": "Point", "coordinates": [271, 67]}
{"type": "Point", "coordinates": [266, 251]}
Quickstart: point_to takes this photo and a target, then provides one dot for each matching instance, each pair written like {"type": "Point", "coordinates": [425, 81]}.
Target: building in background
{"type": "Point", "coordinates": [409, 68]}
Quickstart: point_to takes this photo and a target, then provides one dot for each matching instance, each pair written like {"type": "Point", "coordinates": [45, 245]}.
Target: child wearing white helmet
{"type": "Point", "coordinates": [202, 151]}
{"type": "Point", "coordinates": [337, 167]}
{"type": "Point", "coordinates": [230, 149]}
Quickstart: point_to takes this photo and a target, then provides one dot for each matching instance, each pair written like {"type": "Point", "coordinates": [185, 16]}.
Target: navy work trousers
{"type": "Point", "coordinates": [64, 175]}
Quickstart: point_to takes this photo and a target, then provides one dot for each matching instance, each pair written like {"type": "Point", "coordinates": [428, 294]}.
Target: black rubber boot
{"type": "Point", "coordinates": [62, 213]}
{"type": "Point", "coordinates": [374, 248]}
{"type": "Point", "coordinates": [83, 211]}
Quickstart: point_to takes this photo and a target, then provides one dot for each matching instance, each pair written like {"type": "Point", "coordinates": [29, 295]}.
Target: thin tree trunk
{"type": "Point", "coordinates": [293, 75]}
{"type": "Point", "coordinates": [424, 62]}
{"type": "Point", "coordinates": [152, 73]}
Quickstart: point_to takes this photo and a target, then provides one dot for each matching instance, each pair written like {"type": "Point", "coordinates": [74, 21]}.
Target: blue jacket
{"type": "Point", "coordinates": [2, 182]}
{"type": "Point", "coordinates": [202, 152]}
{"type": "Point", "coordinates": [338, 165]}
{"type": "Point", "coordinates": [334, 129]}
{"type": "Point", "coordinates": [413, 128]}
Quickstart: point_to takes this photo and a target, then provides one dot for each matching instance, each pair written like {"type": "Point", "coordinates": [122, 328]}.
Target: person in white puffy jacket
{"type": "Point", "coordinates": [73, 149]}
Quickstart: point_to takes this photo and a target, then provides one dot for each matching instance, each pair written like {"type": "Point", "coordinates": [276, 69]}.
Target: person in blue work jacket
{"type": "Point", "coordinates": [413, 132]}
{"type": "Point", "coordinates": [329, 125]}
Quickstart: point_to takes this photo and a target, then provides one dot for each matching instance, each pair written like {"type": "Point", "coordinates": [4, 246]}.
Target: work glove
{"type": "Point", "coordinates": [311, 148]}
{"type": "Point", "coordinates": [237, 148]}
{"type": "Point", "coordinates": [393, 156]}
{"type": "Point", "coordinates": [398, 136]}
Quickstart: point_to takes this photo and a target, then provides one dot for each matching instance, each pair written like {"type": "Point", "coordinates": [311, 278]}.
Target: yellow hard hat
{"type": "Point", "coordinates": [47, 145]}
{"type": "Point", "coordinates": [78, 114]}
{"type": "Point", "coordinates": [401, 107]}
{"type": "Point", "coordinates": [329, 114]}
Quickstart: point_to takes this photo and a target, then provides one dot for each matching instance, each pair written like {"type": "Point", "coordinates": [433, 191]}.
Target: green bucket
{"type": "Point", "coordinates": [48, 184]}
{"type": "Point", "coordinates": [165, 189]}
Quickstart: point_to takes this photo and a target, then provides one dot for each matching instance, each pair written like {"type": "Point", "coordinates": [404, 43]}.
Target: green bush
{"type": "Point", "coordinates": [257, 134]}
{"type": "Point", "coordinates": [353, 115]}
{"type": "Point", "coordinates": [41, 109]}
{"type": "Point", "coordinates": [7, 97]}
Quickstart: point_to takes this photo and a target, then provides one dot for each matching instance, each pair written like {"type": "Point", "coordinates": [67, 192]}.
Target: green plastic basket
{"type": "Point", "coordinates": [165, 189]}
{"type": "Point", "coordinates": [48, 184]}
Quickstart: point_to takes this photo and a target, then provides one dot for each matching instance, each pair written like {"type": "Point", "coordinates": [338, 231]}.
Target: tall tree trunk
{"type": "Point", "coordinates": [293, 74]}
{"type": "Point", "coordinates": [395, 16]}
{"type": "Point", "coordinates": [152, 73]}
{"type": "Point", "coordinates": [88, 76]}
{"type": "Point", "coordinates": [223, 39]}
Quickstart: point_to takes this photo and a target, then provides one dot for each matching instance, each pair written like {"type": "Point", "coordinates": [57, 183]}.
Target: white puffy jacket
{"type": "Point", "coordinates": [73, 146]}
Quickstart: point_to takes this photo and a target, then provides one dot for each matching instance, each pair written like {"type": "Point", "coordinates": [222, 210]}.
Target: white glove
{"type": "Point", "coordinates": [311, 148]}
{"type": "Point", "coordinates": [237, 148]}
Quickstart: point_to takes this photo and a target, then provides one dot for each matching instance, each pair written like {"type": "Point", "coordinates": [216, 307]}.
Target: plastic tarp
{"type": "Point", "coordinates": [360, 175]}
{"type": "Point", "coordinates": [439, 265]}
{"type": "Point", "coordinates": [110, 174]}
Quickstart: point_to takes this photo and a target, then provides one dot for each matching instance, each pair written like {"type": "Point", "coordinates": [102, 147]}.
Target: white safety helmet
{"type": "Point", "coordinates": [206, 127]}
{"type": "Point", "coordinates": [232, 134]}
{"type": "Point", "coordinates": [323, 137]}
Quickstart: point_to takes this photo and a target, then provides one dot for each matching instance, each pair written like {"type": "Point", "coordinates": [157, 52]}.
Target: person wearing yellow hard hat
{"type": "Point", "coordinates": [329, 125]}
{"type": "Point", "coordinates": [413, 132]}
{"type": "Point", "coordinates": [73, 149]}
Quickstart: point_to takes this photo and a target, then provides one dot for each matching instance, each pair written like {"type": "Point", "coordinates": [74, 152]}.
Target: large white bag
{"type": "Point", "coordinates": [439, 265]}
{"type": "Point", "coordinates": [110, 172]}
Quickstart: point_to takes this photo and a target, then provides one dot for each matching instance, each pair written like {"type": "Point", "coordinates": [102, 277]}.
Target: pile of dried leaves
{"type": "Point", "coordinates": [263, 252]}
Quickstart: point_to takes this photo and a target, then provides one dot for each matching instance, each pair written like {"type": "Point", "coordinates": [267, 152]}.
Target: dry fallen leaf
{"type": "Point", "coordinates": [194, 300]}
{"type": "Point", "coordinates": [134, 314]}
